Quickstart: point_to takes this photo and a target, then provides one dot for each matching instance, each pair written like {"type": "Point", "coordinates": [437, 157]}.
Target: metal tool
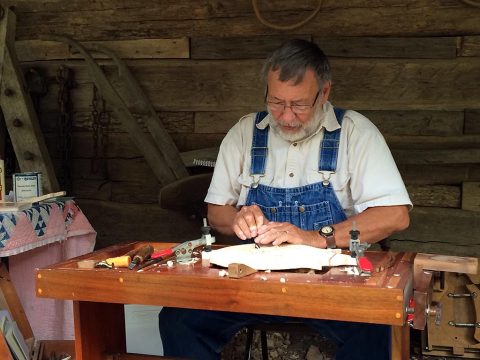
{"type": "Point", "coordinates": [358, 251]}
{"type": "Point", "coordinates": [141, 255]}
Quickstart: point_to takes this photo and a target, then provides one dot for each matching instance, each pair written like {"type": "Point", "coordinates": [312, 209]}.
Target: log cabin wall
{"type": "Point", "coordinates": [411, 66]}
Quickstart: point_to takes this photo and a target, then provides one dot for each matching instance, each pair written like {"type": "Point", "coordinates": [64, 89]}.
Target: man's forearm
{"type": "Point", "coordinates": [221, 217]}
{"type": "Point", "coordinates": [375, 224]}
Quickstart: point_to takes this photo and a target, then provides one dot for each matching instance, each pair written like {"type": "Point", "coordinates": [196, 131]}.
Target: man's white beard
{"type": "Point", "coordinates": [304, 129]}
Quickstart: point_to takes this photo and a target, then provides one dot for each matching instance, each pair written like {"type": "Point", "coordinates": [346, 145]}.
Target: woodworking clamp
{"type": "Point", "coordinates": [357, 250]}
{"type": "Point", "coordinates": [183, 252]}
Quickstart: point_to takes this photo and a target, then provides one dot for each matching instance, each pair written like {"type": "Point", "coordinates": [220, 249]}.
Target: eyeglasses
{"type": "Point", "coordinates": [296, 108]}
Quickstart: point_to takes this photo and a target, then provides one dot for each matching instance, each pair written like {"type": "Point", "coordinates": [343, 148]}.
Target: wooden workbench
{"type": "Point", "coordinates": [99, 295]}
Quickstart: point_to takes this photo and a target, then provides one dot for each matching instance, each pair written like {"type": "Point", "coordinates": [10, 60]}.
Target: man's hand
{"type": "Point", "coordinates": [247, 222]}
{"type": "Point", "coordinates": [276, 233]}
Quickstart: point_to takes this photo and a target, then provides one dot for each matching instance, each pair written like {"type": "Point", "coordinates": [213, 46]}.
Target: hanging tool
{"type": "Point", "coordinates": [358, 251]}
{"type": "Point", "coordinates": [141, 255]}
{"type": "Point", "coordinates": [161, 154]}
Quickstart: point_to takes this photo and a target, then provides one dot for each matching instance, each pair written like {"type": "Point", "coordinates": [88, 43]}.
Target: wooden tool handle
{"type": "Point", "coordinates": [120, 261]}
{"type": "Point", "coordinates": [144, 253]}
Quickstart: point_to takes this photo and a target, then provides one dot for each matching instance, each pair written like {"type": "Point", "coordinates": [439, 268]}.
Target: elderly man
{"type": "Point", "coordinates": [300, 173]}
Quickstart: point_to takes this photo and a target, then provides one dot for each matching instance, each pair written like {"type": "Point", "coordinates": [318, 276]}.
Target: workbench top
{"type": "Point", "coordinates": [327, 294]}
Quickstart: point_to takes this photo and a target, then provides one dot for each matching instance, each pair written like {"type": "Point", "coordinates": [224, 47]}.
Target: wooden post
{"type": "Point", "coordinates": [20, 117]}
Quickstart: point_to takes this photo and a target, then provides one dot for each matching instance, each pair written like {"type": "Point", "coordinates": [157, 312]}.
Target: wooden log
{"type": "Point", "coordinates": [255, 47]}
{"type": "Point", "coordinates": [434, 247]}
{"type": "Point", "coordinates": [469, 46]}
{"type": "Point", "coordinates": [439, 174]}
{"type": "Point", "coordinates": [472, 121]}
{"type": "Point", "coordinates": [34, 50]}
{"type": "Point", "coordinates": [169, 19]}
{"type": "Point", "coordinates": [445, 143]}
{"type": "Point", "coordinates": [414, 84]}
{"type": "Point", "coordinates": [435, 195]}
{"type": "Point", "coordinates": [174, 122]}
{"type": "Point", "coordinates": [259, 47]}
{"type": "Point", "coordinates": [427, 157]}
{"type": "Point", "coordinates": [417, 122]}
{"type": "Point", "coordinates": [389, 47]}
{"type": "Point", "coordinates": [442, 226]}
{"type": "Point", "coordinates": [463, 265]}
{"type": "Point", "coordinates": [471, 196]}
{"type": "Point", "coordinates": [392, 122]}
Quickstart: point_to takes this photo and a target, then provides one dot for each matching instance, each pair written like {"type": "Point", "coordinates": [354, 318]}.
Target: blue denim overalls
{"type": "Point", "coordinates": [308, 207]}
{"type": "Point", "coordinates": [201, 334]}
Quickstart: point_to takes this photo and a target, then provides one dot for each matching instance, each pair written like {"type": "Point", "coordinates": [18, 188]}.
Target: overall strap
{"type": "Point", "coordinates": [259, 146]}
{"type": "Point", "coordinates": [329, 147]}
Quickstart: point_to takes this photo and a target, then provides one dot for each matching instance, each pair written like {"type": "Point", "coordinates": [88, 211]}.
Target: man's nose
{"type": "Point", "coordinates": [288, 114]}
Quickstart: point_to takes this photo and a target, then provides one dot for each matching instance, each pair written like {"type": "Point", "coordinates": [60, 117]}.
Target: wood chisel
{"type": "Point", "coordinates": [141, 255]}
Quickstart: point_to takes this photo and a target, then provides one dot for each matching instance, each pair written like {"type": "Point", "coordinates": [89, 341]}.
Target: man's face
{"type": "Point", "coordinates": [291, 107]}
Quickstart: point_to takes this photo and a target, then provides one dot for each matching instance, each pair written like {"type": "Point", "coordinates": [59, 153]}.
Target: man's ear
{"type": "Point", "coordinates": [326, 91]}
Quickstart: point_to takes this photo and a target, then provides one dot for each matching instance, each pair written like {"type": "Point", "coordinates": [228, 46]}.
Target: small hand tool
{"type": "Point", "coordinates": [142, 254]}
{"type": "Point", "coordinates": [358, 251]}
{"type": "Point", "coordinates": [206, 234]}
{"type": "Point", "coordinates": [119, 261]}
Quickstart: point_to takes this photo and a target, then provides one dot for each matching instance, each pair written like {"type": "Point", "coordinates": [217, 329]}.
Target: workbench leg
{"type": "Point", "coordinates": [99, 330]}
{"type": "Point", "coordinates": [401, 342]}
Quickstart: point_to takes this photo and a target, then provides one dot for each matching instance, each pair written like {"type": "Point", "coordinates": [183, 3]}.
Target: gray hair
{"type": "Point", "coordinates": [293, 59]}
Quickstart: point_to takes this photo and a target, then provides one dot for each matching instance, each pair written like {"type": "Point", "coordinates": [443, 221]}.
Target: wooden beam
{"type": "Point", "coordinates": [469, 46]}
{"type": "Point", "coordinates": [442, 226]}
{"type": "Point", "coordinates": [444, 196]}
{"type": "Point", "coordinates": [259, 47]}
{"type": "Point", "coordinates": [439, 174]}
{"type": "Point", "coordinates": [457, 264]}
{"type": "Point", "coordinates": [471, 196]}
{"type": "Point", "coordinates": [34, 50]}
{"type": "Point", "coordinates": [389, 47]}
{"type": "Point", "coordinates": [173, 19]}
{"type": "Point", "coordinates": [472, 121]}
{"type": "Point", "coordinates": [392, 122]}
{"type": "Point", "coordinates": [427, 157]}
{"type": "Point", "coordinates": [20, 116]}
{"type": "Point", "coordinates": [214, 85]}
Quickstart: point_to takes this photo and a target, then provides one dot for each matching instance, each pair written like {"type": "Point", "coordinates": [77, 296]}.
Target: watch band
{"type": "Point", "coordinates": [331, 243]}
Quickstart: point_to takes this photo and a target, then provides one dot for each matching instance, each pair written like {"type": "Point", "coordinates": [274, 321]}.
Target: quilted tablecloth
{"type": "Point", "coordinates": [37, 237]}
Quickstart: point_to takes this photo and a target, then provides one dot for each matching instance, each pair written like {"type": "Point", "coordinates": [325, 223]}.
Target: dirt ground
{"type": "Point", "coordinates": [303, 345]}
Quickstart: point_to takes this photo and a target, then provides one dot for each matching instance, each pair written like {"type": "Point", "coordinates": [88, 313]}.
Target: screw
{"type": "Point", "coordinates": [8, 92]}
{"type": "Point", "coordinates": [17, 123]}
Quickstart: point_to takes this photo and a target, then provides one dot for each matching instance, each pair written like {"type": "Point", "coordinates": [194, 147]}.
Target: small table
{"type": "Point", "coordinates": [44, 234]}
{"type": "Point", "coordinates": [99, 294]}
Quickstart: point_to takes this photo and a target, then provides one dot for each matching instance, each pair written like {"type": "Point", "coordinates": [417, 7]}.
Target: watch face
{"type": "Point", "coordinates": [327, 230]}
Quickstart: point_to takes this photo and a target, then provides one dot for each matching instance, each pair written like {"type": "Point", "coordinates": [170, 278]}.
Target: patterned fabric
{"type": "Point", "coordinates": [38, 217]}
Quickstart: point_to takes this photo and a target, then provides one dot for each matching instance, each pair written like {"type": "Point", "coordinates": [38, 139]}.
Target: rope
{"type": "Point", "coordinates": [293, 26]}
{"type": "Point", "coordinates": [475, 3]}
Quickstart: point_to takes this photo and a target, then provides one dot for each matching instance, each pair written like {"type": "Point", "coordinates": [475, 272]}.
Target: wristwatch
{"type": "Point", "coordinates": [328, 232]}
